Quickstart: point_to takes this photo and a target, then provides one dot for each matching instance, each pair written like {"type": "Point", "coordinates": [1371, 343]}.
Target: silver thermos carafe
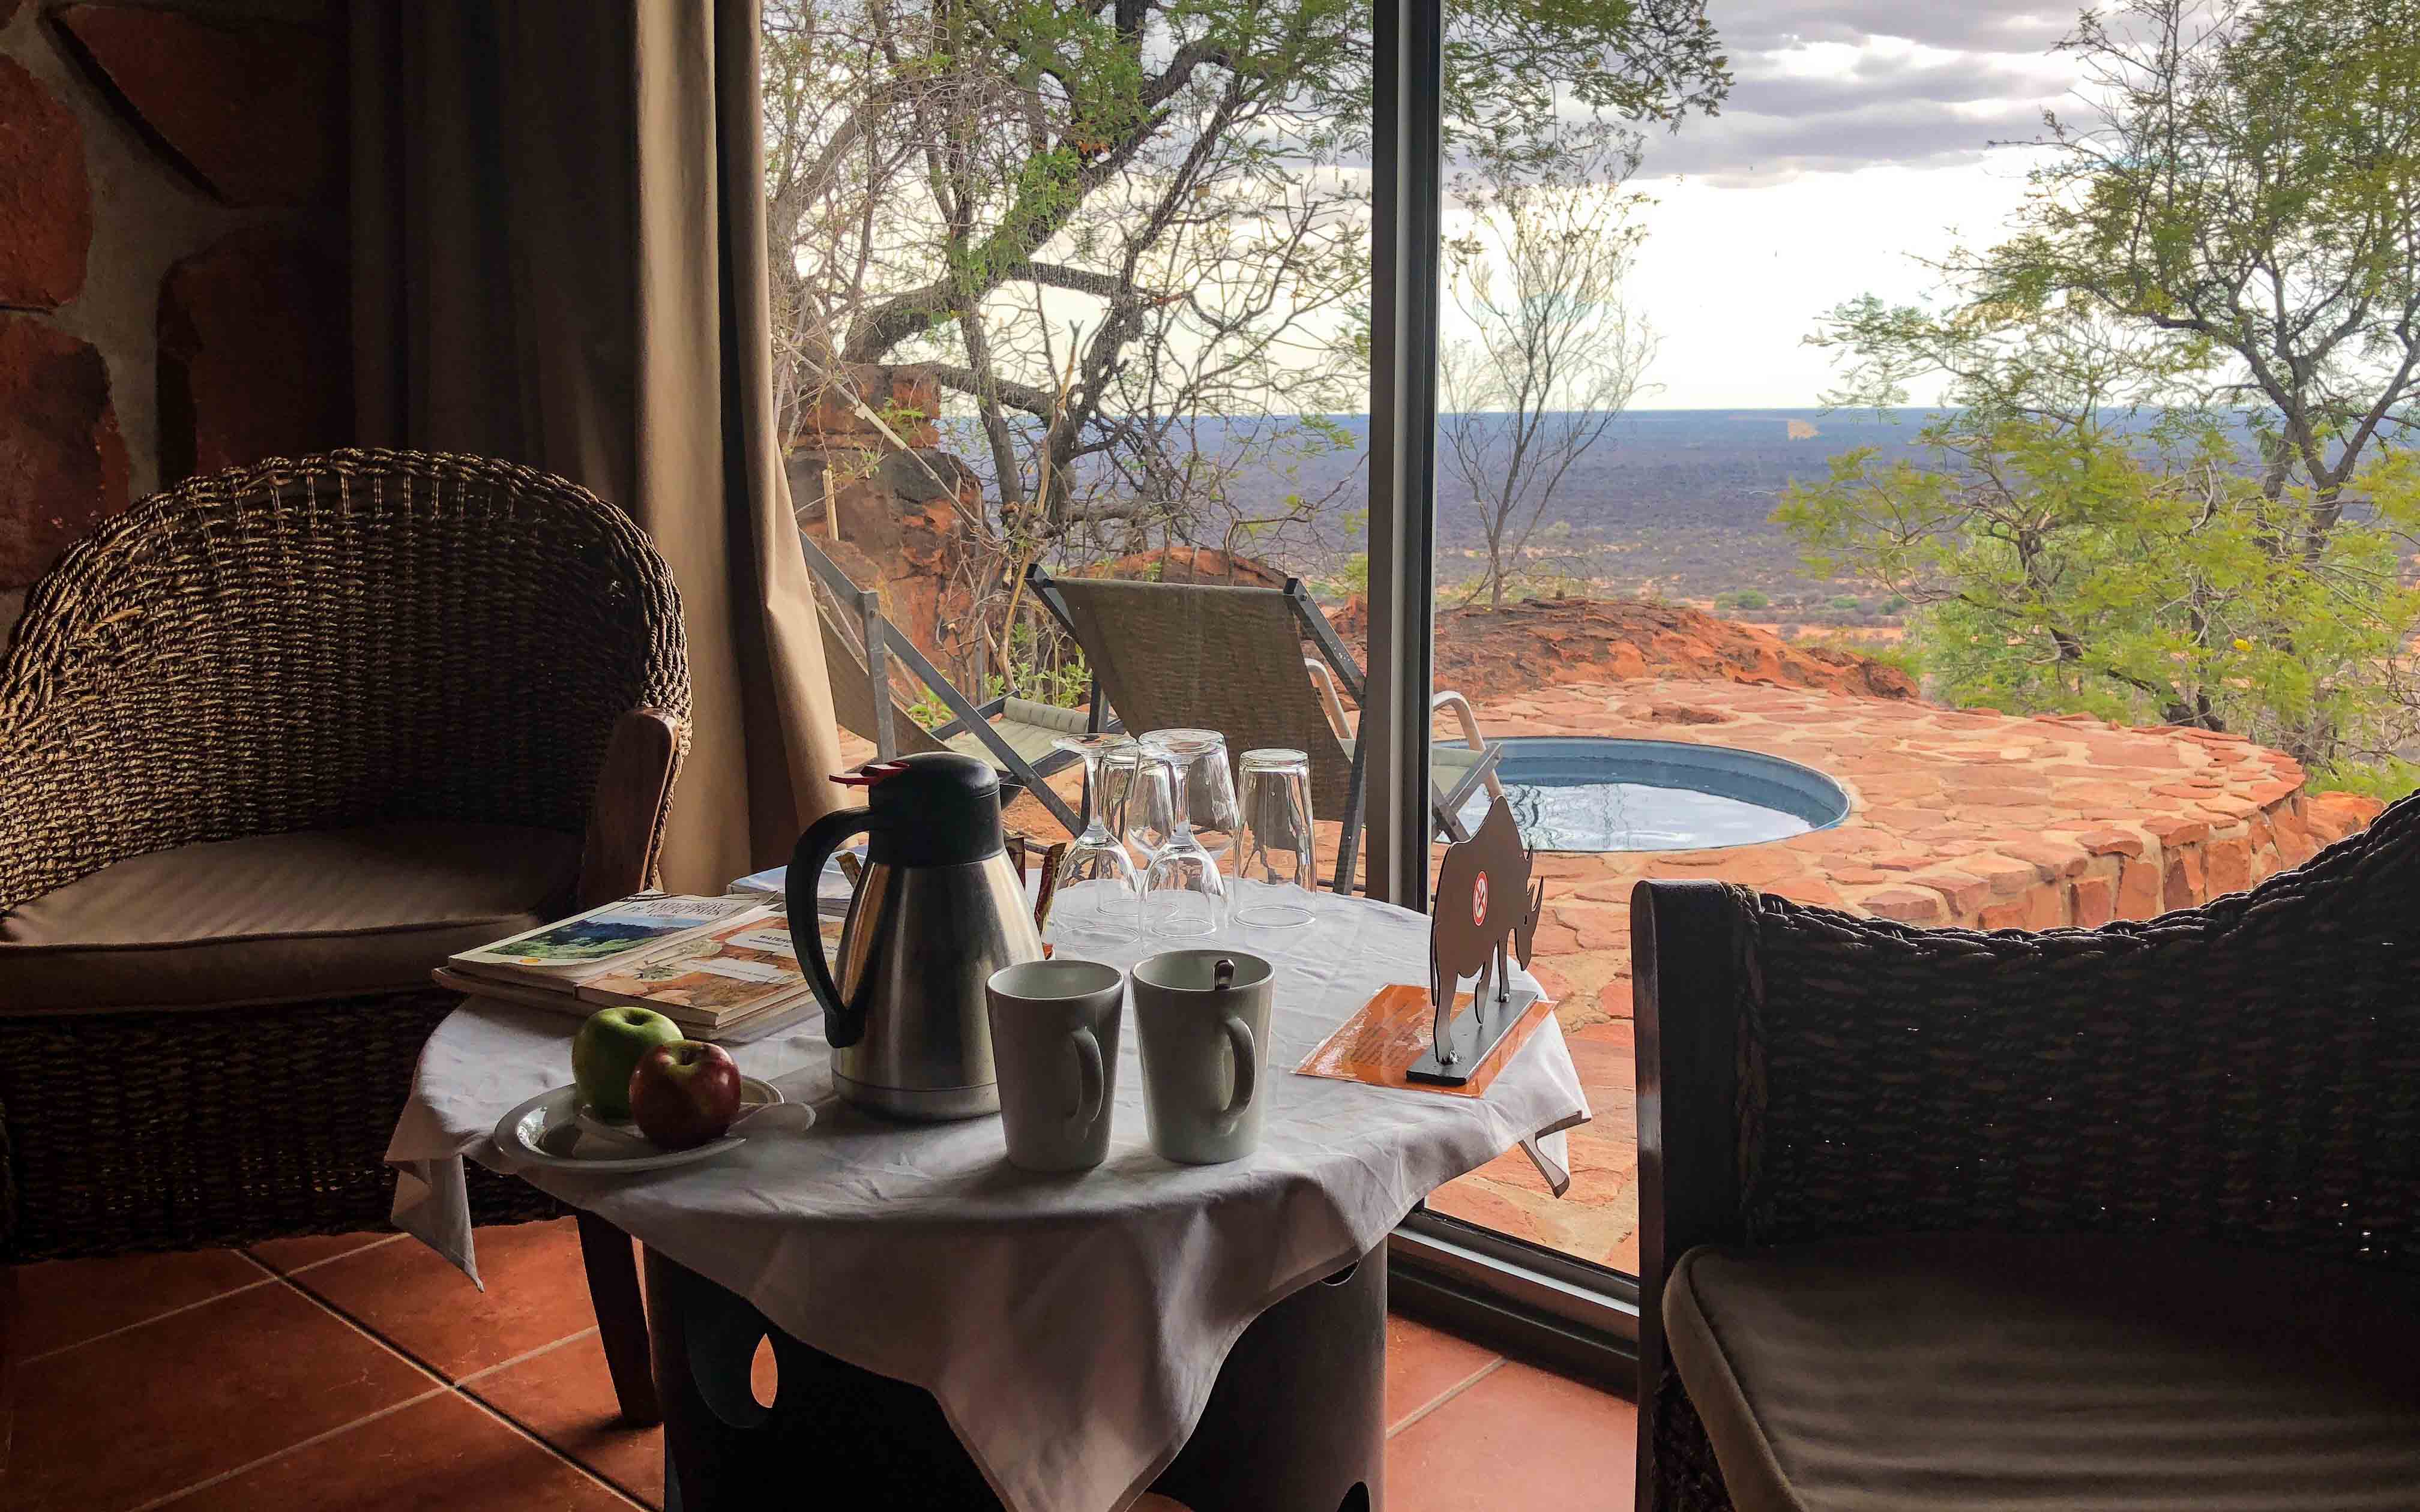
{"type": "Point", "coordinates": [937, 909]}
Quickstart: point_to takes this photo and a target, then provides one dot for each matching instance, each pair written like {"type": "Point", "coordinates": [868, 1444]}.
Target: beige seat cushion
{"type": "Point", "coordinates": [1940, 1372]}
{"type": "Point", "coordinates": [281, 917]}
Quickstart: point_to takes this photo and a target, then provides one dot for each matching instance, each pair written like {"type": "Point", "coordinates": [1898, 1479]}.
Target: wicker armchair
{"type": "Point", "coordinates": [366, 644]}
{"type": "Point", "coordinates": [2240, 1079]}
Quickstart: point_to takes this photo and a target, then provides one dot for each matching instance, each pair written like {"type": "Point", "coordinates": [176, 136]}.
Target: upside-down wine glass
{"type": "Point", "coordinates": [1182, 891]}
{"type": "Point", "coordinates": [1098, 889]}
{"type": "Point", "coordinates": [1276, 860]}
{"type": "Point", "coordinates": [1209, 785]}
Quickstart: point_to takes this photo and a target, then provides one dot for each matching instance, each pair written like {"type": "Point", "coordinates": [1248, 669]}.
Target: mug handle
{"type": "Point", "coordinates": [1239, 1039]}
{"type": "Point", "coordinates": [1093, 1083]}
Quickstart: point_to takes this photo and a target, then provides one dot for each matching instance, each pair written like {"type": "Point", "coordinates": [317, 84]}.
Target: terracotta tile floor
{"type": "Point", "coordinates": [364, 1373]}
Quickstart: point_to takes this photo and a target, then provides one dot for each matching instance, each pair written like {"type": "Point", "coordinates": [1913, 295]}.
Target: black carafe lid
{"type": "Point", "coordinates": [936, 808]}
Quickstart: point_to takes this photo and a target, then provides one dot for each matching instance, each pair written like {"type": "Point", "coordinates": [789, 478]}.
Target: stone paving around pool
{"type": "Point", "coordinates": [1962, 818]}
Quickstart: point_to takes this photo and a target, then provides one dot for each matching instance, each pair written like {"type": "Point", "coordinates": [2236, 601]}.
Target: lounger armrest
{"type": "Point", "coordinates": [1448, 698]}
{"type": "Point", "coordinates": [1330, 697]}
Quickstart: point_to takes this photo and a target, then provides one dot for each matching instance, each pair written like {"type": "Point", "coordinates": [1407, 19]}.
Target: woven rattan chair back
{"type": "Point", "coordinates": [361, 637]}
{"type": "Point", "coordinates": [1213, 658]}
{"type": "Point", "coordinates": [2264, 1048]}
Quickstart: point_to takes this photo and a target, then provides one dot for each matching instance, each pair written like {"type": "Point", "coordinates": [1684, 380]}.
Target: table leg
{"type": "Point", "coordinates": [621, 1318]}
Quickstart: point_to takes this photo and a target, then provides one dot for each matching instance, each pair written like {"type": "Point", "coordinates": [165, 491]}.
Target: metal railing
{"type": "Point", "coordinates": [881, 646]}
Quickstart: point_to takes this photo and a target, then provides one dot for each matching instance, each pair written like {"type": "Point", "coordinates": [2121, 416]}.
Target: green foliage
{"type": "Point", "coordinates": [1846, 603]}
{"type": "Point", "coordinates": [2384, 778]}
{"type": "Point", "coordinates": [1745, 599]}
{"type": "Point", "coordinates": [2061, 566]}
{"type": "Point", "coordinates": [2244, 180]}
{"type": "Point", "coordinates": [1041, 666]}
{"type": "Point", "coordinates": [1350, 579]}
{"type": "Point", "coordinates": [1900, 653]}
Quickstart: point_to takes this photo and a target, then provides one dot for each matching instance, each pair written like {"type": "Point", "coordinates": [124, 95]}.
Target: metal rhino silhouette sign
{"type": "Point", "coordinates": [1483, 915]}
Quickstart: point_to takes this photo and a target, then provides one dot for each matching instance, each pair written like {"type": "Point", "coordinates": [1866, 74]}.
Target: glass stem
{"type": "Point", "coordinates": [1096, 824]}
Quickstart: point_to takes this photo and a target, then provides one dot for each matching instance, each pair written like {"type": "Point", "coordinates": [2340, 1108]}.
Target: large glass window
{"type": "Point", "coordinates": [1849, 481]}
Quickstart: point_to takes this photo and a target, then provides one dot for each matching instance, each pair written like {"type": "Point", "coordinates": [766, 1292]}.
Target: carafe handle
{"type": "Point", "coordinates": [844, 1025]}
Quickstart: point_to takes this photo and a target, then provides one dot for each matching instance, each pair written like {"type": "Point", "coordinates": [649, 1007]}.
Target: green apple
{"type": "Point", "coordinates": [609, 1047]}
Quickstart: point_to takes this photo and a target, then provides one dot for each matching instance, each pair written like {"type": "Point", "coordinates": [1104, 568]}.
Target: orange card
{"type": "Point", "coordinates": [1378, 1045]}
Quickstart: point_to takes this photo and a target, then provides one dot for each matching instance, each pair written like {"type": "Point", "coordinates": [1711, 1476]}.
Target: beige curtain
{"type": "Point", "coordinates": [559, 258]}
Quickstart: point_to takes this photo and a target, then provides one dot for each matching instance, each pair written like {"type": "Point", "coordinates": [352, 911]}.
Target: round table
{"type": "Point", "coordinates": [1070, 1329]}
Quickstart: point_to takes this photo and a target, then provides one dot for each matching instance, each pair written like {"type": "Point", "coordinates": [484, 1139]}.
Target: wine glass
{"type": "Point", "coordinates": [1140, 807]}
{"type": "Point", "coordinates": [1277, 858]}
{"type": "Point", "coordinates": [1097, 887]}
{"type": "Point", "coordinates": [1209, 785]}
{"type": "Point", "coordinates": [1182, 891]}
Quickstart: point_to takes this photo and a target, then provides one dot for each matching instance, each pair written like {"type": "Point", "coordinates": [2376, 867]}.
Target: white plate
{"type": "Point", "coordinates": [553, 1131]}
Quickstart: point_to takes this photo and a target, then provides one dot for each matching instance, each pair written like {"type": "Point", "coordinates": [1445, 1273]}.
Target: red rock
{"type": "Point", "coordinates": [2038, 908]}
{"type": "Point", "coordinates": [2055, 856]}
{"type": "Point", "coordinates": [1190, 564]}
{"type": "Point", "coordinates": [1813, 891]}
{"type": "Point", "coordinates": [45, 204]}
{"type": "Point", "coordinates": [2229, 865]}
{"type": "Point", "coordinates": [254, 356]}
{"type": "Point", "coordinates": [1964, 894]}
{"type": "Point", "coordinates": [1598, 929]}
{"type": "Point", "coordinates": [62, 461]}
{"type": "Point", "coordinates": [1551, 641]}
{"type": "Point", "coordinates": [2335, 815]}
{"type": "Point", "coordinates": [2003, 916]}
{"type": "Point", "coordinates": [255, 110]}
{"type": "Point", "coordinates": [1862, 875]}
{"type": "Point", "coordinates": [2006, 875]}
{"type": "Point", "coordinates": [2093, 902]}
{"type": "Point", "coordinates": [1684, 714]}
{"type": "Point", "coordinates": [2173, 832]}
{"type": "Point", "coordinates": [1909, 905]}
{"type": "Point", "coordinates": [2140, 892]}
{"type": "Point", "coordinates": [2184, 885]}
{"type": "Point", "coordinates": [1617, 998]}
{"type": "Point", "coordinates": [2111, 842]}
{"type": "Point", "coordinates": [2294, 842]}
{"type": "Point", "coordinates": [1553, 939]}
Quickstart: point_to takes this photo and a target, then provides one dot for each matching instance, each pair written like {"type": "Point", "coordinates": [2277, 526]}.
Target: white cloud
{"type": "Point", "coordinates": [1859, 141]}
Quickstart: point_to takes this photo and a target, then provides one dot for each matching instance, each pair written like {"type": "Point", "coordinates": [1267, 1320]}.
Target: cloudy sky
{"type": "Point", "coordinates": [1857, 138]}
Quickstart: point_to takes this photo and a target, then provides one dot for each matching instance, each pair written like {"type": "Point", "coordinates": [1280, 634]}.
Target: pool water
{"type": "Point", "coordinates": [1600, 793]}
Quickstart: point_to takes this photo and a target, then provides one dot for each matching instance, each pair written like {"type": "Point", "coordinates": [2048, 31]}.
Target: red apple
{"type": "Point", "coordinates": [684, 1093]}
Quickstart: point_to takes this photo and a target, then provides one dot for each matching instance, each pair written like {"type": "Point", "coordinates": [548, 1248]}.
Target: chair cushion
{"type": "Point", "coordinates": [1932, 1372]}
{"type": "Point", "coordinates": [281, 917]}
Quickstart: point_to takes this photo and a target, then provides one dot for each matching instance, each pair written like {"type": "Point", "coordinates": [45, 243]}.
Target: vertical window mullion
{"type": "Point", "coordinates": [1407, 169]}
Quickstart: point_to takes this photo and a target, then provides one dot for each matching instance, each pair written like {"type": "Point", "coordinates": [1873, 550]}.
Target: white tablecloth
{"type": "Point", "coordinates": [1069, 1326]}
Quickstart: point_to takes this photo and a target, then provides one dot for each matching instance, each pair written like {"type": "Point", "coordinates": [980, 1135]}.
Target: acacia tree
{"type": "Point", "coordinates": [1131, 235]}
{"type": "Point", "coordinates": [2248, 181]}
{"type": "Point", "coordinates": [2224, 249]}
{"type": "Point", "coordinates": [1559, 352]}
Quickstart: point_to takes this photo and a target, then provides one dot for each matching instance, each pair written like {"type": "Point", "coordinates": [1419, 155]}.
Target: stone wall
{"type": "Point", "coordinates": [889, 505]}
{"type": "Point", "coordinates": [171, 253]}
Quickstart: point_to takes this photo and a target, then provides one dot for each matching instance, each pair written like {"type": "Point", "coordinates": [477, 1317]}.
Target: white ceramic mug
{"type": "Point", "coordinates": [1054, 1042]}
{"type": "Point", "coordinates": [1205, 1052]}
